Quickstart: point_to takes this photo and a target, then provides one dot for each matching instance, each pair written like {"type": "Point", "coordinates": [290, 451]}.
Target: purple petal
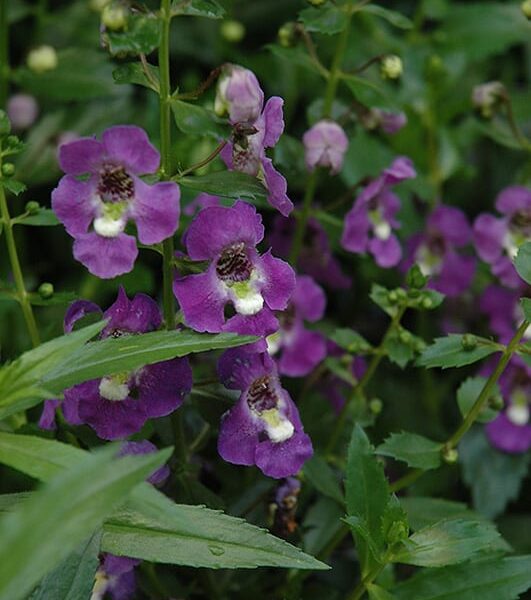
{"type": "Point", "coordinates": [285, 458]}
{"type": "Point", "coordinates": [305, 351]}
{"type": "Point", "coordinates": [279, 281]}
{"type": "Point", "coordinates": [389, 206]}
{"type": "Point", "coordinates": [508, 437]}
{"type": "Point", "coordinates": [456, 274]}
{"type": "Point", "coordinates": [77, 310]}
{"type": "Point", "coordinates": [239, 367]}
{"type": "Point", "coordinates": [514, 199]}
{"type": "Point", "coordinates": [80, 156]}
{"type": "Point", "coordinates": [72, 204]}
{"type": "Point", "coordinates": [273, 121]}
{"type": "Point", "coordinates": [489, 234]}
{"type": "Point", "coordinates": [504, 270]}
{"type": "Point", "coordinates": [226, 155]}
{"type": "Point", "coordinates": [70, 406]}
{"type": "Point", "coordinates": [325, 145]}
{"type": "Point", "coordinates": [355, 237]}
{"type": "Point", "coordinates": [158, 477]}
{"type": "Point", "coordinates": [201, 201]}
{"type": "Point", "coordinates": [238, 435]}
{"type": "Point", "coordinates": [202, 300]}
{"type": "Point", "coordinates": [387, 253]}
{"type": "Point", "coordinates": [118, 565]}
{"type": "Point", "coordinates": [309, 299]}
{"type": "Point", "coordinates": [277, 187]}
{"type": "Point", "coordinates": [391, 123]}
{"type": "Point", "coordinates": [451, 223]}
{"type": "Point", "coordinates": [263, 323]}
{"type": "Point", "coordinates": [106, 257]}
{"type": "Point", "coordinates": [243, 94]}
{"type": "Point", "coordinates": [156, 210]}
{"type": "Point", "coordinates": [139, 315]}
{"type": "Point", "coordinates": [129, 146]}
{"type": "Point", "coordinates": [124, 587]}
{"type": "Point", "coordinates": [47, 418]}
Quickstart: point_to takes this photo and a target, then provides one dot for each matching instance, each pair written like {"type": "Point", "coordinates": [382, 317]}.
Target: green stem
{"type": "Point", "coordinates": [4, 53]}
{"type": "Point", "coordinates": [165, 152]}
{"type": "Point", "coordinates": [361, 588]}
{"type": "Point", "coordinates": [335, 69]}
{"type": "Point", "coordinates": [17, 271]}
{"type": "Point", "coordinates": [303, 220]}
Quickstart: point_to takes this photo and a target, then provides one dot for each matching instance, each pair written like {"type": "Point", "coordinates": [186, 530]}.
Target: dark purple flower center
{"type": "Point", "coordinates": [115, 184]}
{"type": "Point", "coordinates": [287, 317]}
{"type": "Point", "coordinates": [436, 244]}
{"type": "Point", "coordinates": [261, 395]}
{"type": "Point", "coordinates": [521, 222]}
{"type": "Point", "coordinates": [234, 265]}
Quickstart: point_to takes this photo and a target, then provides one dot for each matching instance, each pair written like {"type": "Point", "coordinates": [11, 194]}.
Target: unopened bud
{"type": "Point", "coordinates": [316, 2]}
{"type": "Point", "coordinates": [287, 35]}
{"type": "Point", "coordinates": [98, 5]}
{"type": "Point", "coordinates": [42, 59]}
{"type": "Point", "coordinates": [8, 169]}
{"type": "Point", "coordinates": [32, 207]}
{"type": "Point", "coordinates": [114, 17]}
{"type": "Point", "coordinates": [391, 67]}
{"type": "Point", "coordinates": [45, 290]}
{"type": "Point", "coordinates": [375, 406]}
{"type": "Point", "coordinates": [427, 302]}
{"type": "Point", "coordinates": [415, 278]}
{"type": "Point", "coordinates": [526, 8]}
{"type": "Point", "coordinates": [232, 31]}
{"type": "Point", "coordinates": [405, 336]}
{"type": "Point", "coordinates": [496, 402]}
{"type": "Point", "coordinates": [487, 97]}
{"type": "Point", "coordinates": [450, 455]}
{"type": "Point", "coordinates": [397, 532]}
{"type": "Point", "coordinates": [469, 341]}
{"type": "Point", "coordinates": [22, 110]}
{"type": "Point", "coordinates": [392, 296]}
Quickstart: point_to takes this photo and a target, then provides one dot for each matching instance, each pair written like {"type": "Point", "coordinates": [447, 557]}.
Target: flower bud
{"type": "Point", "coordinates": [239, 95]}
{"type": "Point", "coordinates": [469, 342]}
{"type": "Point", "coordinates": [46, 291]}
{"type": "Point", "coordinates": [487, 97]}
{"type": "Point", "coordinates": [98, 5]}
{"type": "Point", "coordinates": [287, 35]}
{"type": "Point", "coordinates": [397, 532]}
{"type": "Point", "coordinates": [427, 302]}
{"type": "Point", "coordinates": [8, 169]}
{"type": "Point", "coordinates": [5, 124]}
{"type": "Point", "coordinates": [375, 406]}
{"type": "Point", "coordinates": [405, 336]}
{"type": "Point", "coordinates": [391, 67]}
{"type": "Point", "coordinates": [32, 207]}
{"type": "Point", "coordinates": [114, 17]}
{"type": "Point", "coordinates": [450, 455]}
{"type": "Point", "coordinates": [415, 278]}
{"type": "Point", "coordinates": [526, 8]}
{"type": "Point", "coordinates": [325, 145]}
{"type": "Point", "coordinates": [496, 402]}
{"type": "Point", "coordinates": [232, 31]}
{"type": "Point", "coordinates": [22, 110]}
{"type": "Point", "coordinates": [42, 59]}
{"type": "Point", "coordinates": [316, 2]}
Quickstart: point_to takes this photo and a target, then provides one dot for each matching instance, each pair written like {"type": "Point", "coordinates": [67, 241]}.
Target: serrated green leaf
{"type": "Point", "coordinates": [113, 355]}
{"type": "Point", "coordinates": [323, 478]}
{"type": "Point", "coordinates": [329, 19]}
{"type": "Point", "coordinates": [380, 296]}
{"type": "Point", "coordinates": [449, 352]}
{"type": "Point", "coordinates": [415, 450]}
{"type": "Point", "coordinates": [350, 340]}
{"type": "Point", "coordinates": [423, 512]}
{"type": "Point", "coordinates": [133, 72]}
{"type": "Point", "coordinates": [13, 186]}
{"type": "Point", "coordinates": [391, 16]}
{"type": "Point", "coordinates": [490, 579]}
{"type": "Point", "coordinates": [399, 351]}
{"type": "Point", "coordinates": [526, 307]}
{"type": "Point", "coordinates": [209, 9]}
{"type": "Point", "coordinates": [64, 513]}
{"type": "Point", "coordinates": [44, 218]}
{"type": "Point", "coordinates": [73, 579]}
{"type": "Point", "coordinates": [141, 37]}
{"type": "Point", "coordinates": [361, 531]}
{"type": "Point", "coordinates": [196, 120]}
{"type": "Point", "coordinates": [448, 542]}
{"type": "Point", "coordinates": [229, 184]}
{"type": "Point", "coordinates": [522, 262]}
{"type": "Point", "coordinates": [467, 395]}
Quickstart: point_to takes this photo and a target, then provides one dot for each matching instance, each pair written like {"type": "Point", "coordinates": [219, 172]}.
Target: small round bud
{"type": "Point", "coordinates": [450, 455]}
{"type": "Point", "coordinates": [287, 35]}
{"type": "Point", "coordinates": [396, 533]}
{"type": "Point", "coordinates": [469, 341]}
{"type": "Point", "coordinates": [42, 59]}
{"type": "Point", "coordinates": [32, 207]}
{"type": "Point", "coordinates": [22, 110]}
{"type": "Point", "coordinates": [98, 5]}
{"type": "Point", "coordinates": [401, 294]}
{"type": "Point", "coordinates": [496, 402]}
{"type": "Point", "coordinates": [5, 124]}
{"type": "Point", "coordinates": [8, 169]}
{"type": "Point", "coordinates": [391, 67]}
{"type": "Point", "coordinates": [392, 296]}
{"type": "Point", "coordinates": [375, 406]}
{"type": "Point", "coordinates": [316, 2]}
{"type": "Point", "coordinates": [346, 360]}
{"type": "Point", "coordinates": [405, 336]}
{"type": "Point", "coordinates": [415, 278]}
{"type": "Point", "coordinates": [427, 302]}
{"type": "Point", "coordinates": [232, 31]}
{"type": "Point", "coordinates": [114, 17]}
{"type": "Point", "coordinates": [526, 8]}
{"type": "Point", "coordinates": [45, 290]}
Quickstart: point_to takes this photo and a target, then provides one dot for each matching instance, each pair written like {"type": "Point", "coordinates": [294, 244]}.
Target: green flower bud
{"type": "Point", "coordinates": [392, 296]}
{"type": "Point", "coordinates": [496, 402]}
{"type": "Point", "coordinates": [316, 2]}
{"type": "Point", "coordinates": [415, 278]}
{"type": "Point", "coordinates": [526, 8]}
{"type": "Point", "coordinates": [391, 67]}
{"type": "Point", "coordinates": [396, 533]}
{"type": "Point", "coordinates": [232, 31]}
{"type": "Point", "coordinates": [375, 406]}
{"type": "Point", "coordinates": [426, 302]}
{"type": "Point", "coordinates": [401, 293]}
{"type": "Point", "coordinates": [450, 455]}
{"type": "Point", "coordinates": [114, 17]}
{"type": "Point", "coordinates": [5, 125]}
{"type": "Point", "coordinates": [287, 35]}
{"type": "Point", "coordinates": [45, 290]}
{"type": "Point", "coordinates": [8, 169]}
{"type": "Point", "coordinates": [405, 336]}
{"type": "Point", "coordinates": [98, 5]}
{"type": "Point", "coordinates": [32, 207]}
{"type": "Point", "coordinates": [469, 341]}
{"type": "Point", "coordinates": [42, 59]}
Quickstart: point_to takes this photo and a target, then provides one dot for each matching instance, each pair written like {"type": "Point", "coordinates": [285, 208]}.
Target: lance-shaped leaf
{"type": "Point", "coordinates": [196, 120]}
{"type": "Point", "coordinates": [423, 511]}
{"type": "Point", "coordinates": [456, 350]}
{"type": "Point", "coordinates": [415, 450]}
{"type": "Point", "coordinates": [229, 184]}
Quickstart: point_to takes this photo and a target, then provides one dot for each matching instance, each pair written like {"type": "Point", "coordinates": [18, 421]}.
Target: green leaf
{"type": "Point", "coordinates": [323, 479]}
{"type": "Point", "coordinates": [63, 514]}
{"type": "Point", "coordinates": [321, 523]}
{"type": "Point", "coordinates": [522, 262]}
{"type": "Point", "coordinates": [361, 531]}
{"type": "Point", "coordinates": [494, 477]}
{"type": "Point", "coordinates": [142, 36]}
{"type": "Point", "coordinates": [329, 19]}
{"type": "Point", "coordinates": [402, 346]}
{"type": "Point", "coordinates": [133, 72]}
{"type": "Point", "coordinates": [450, 351]}
{"type": "Point", "coordinates": [194, 119]}
{"type": "Point", "coordinates": [423, 512]}
{"type": "Point", "coordinates": [467, 395]}
{"type": "Point", "coordinates": [415, 450]}
{"type": "Point", "coordinates": [380, 296]}
{"type": "Point", "coordinates": [526, 307]}
{"type": "Point", "coordinates": [113, 355]}
{"type": "Point", "coordinates": [294, 56]}
{"type": "Point", "coordinates": [378, 593]}
{"type": "Point", "coordinates": [491, 579]}
{"type": "Point", "coordinates": [44, 218]}
{"type": "Point", "coordinates": [229, 184]}
{"type": "Point", "coordinates": [448, 542]}
{"type": "Point", "coordinates": [198, 8]}
{"type": "Point", "coordinates": [366, 491]}
{"type": "Point", "coordinates": [391, 16]}
{"type": "Point", "coordinates": [59, 298]}
{"type": "Point", "coordinates": [350, 340]}
{"type": "Point", "coordinates": [369, 93]}
{"type": "Point", "coordinates": [73, 579]}
{"type": "Point", "coordinates": [13, 186]}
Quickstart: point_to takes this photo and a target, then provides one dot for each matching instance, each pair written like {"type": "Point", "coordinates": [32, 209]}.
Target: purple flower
{"type": "Point", "coordinates": [504, 310]}
{"type": "Point", "coordinates": [199, 202]}
{"type": "Point", "coordinates": [497, 239]}
{"type": "Point", "coordinates": [370, 222]}
{"type": "Point", "coordinates": [511, 430]}
{"type": "Point", "coordinates": [239, 94]}
{"type": "Point", "coordinates": [96, 209]}
{"type": "Point", "coordinates": [115, 577]}
{"type": "Point", "coordinates": [246, 152]}
{"type": "Point", "coordinates": [390, 122]}
{"type": "Point", "coordinates": [316, 258]}
{"type": "Point", "coordinates": [22, 110]}
{"type": "Point", "coordinates": [159, 476]}
{"type": "Point", "coordinates": [264, 427]}
{"type": "Point", "coordinates": [325, 145]}
{"type": "Point", "coordinates": [254, 285]}
{"type": "Point", "coordinates": [118, 405]}
{"type": "Point", "coordinates": [301, 350]}
{"type": "Point", "coordinates": [435, 251]}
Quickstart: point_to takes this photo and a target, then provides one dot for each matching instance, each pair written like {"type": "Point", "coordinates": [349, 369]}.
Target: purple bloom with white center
{"type": "Point", "coordinates": [264, 427]}
{"type": "Point", "coordinates": [246, 152]}
{"type": "Point", "coordinates": [239, 94]}
{"type": "Point", "coordinates": [370, 222]}
{"type": "Point", "coordinates": [325, 145]}
{"type": "Point", "coordinates": [316, 257]}
{"type": "Point", "coordinates": [300, 350]}
{"type": "Point", "coordinates": [118, 405]}
{"type": "Point", "coordinates": [159, 476]}
{"type": "Point", "coordinates": [436, 251]}
{"type": "Point", "coordinates": [511, 430]}
{"type": "Point", "coordinates": [254, 285]}
{"type": "Point", "coordinates": [115, 577]}
{"type": "Point", "coordinates": [96, 210]}
{"type": "Point", "coordinates": [497, 239]}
